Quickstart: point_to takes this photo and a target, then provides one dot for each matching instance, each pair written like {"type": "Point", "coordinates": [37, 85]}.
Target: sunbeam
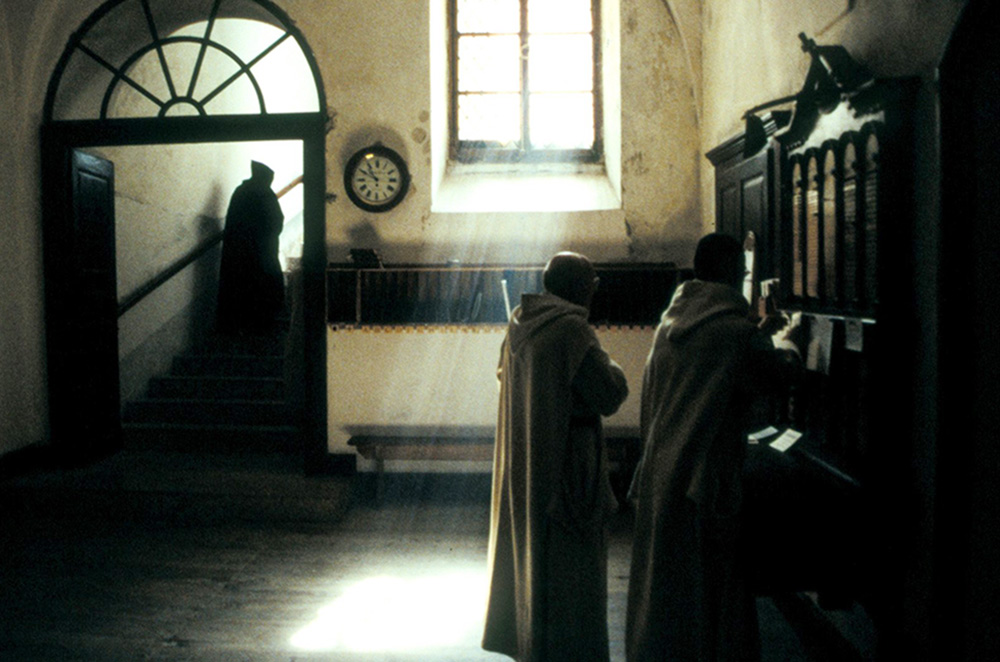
{"type": "Point", "coordinates": [393, 613]}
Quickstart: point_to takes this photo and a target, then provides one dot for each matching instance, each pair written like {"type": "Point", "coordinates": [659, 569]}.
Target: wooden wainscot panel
{"type": "Point", "coordinates": [629, 294]}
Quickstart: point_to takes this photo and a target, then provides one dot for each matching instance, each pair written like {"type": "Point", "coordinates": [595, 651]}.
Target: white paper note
{"type": "Point", "coordinates": [755, 437]}
{"type": "Point", "coordinates": [854, 335]}
{"type": "Point", "coordinates": [785, 441]}
{"type": "Point", "coordinates": [820, 344]}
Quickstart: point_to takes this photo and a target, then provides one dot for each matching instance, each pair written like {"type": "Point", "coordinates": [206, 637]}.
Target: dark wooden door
{"type": "Point", "coordinates": [744, 205]}
{"type": "Point", "coordinates": [82, 312]}
{"type": "Point", "coordinates": [746, 210]}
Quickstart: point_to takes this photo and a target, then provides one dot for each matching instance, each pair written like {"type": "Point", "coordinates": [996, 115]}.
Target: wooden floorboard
{"type": "Point", "coordinates": [125, 587]}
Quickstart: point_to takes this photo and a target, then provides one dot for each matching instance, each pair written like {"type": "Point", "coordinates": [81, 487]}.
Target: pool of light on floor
{"type": "Point", "coordinates": [396, 613]}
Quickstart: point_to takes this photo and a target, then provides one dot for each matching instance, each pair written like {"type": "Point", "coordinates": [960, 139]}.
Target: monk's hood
{"type": "Point", "coordinates": [535, 313]}
{"type": "Point", "coordinates": [697, 302]}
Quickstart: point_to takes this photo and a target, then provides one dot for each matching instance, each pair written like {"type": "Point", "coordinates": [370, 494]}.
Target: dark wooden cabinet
{"type": "Point", "coordinates": [747, 193]}
{"type": "Point", "coordinates": [827, 197]}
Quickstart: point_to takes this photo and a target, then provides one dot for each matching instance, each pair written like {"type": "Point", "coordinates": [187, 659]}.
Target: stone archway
{"type": "Point", "coordinates": [160, 72]}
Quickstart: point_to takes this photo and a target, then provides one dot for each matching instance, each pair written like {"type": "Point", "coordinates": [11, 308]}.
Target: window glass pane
{"type": "Point", "coordinates": [239, 98]}
{"type": "Point", "coordinates": [489, 64]}
{"type": "Point", "coordinates": [562, 121]}
{"type": "Point", "coordinates": [129, 102]}
{"type": "Point", "coordinates": [148, 73]}
{"type": "Point", "coordinates": [560, 16]}
{"type": "Point", "coordinates": [489, 117]}
{"type": "Point", "coordinates": [561, 63]}
{"type": "Point", "coordinates": [489, 16]}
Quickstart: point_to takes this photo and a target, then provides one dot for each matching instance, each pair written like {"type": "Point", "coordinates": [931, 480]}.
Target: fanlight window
{"type": "Point", "coordinates": [155, 58]}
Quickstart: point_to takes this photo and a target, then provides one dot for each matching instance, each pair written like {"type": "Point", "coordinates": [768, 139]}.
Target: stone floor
{"type": "Point", "coordinates": [150, 557]}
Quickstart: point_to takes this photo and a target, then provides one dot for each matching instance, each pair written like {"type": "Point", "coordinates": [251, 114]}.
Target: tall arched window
{"type": "Point", "coordinates": [525, 80]}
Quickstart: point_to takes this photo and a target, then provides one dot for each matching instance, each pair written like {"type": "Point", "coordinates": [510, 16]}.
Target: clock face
{"type": "Point", "coordinates": [376, 178]}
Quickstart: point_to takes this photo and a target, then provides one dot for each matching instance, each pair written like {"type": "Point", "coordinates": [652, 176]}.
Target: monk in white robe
{"type": "Point", "coordinates": [686, 597]}
{"type": "Point", "coordinates": [551, 493]}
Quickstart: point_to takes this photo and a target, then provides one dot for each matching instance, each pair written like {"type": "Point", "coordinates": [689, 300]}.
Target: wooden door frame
{"type": "Point", "coordinates": [967, 298]}
{"type": "Point", "coordinates": [59, 138]}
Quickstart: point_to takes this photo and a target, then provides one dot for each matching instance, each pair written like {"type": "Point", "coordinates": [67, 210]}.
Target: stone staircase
{"type": "Point", "coordinates": [228, 395]}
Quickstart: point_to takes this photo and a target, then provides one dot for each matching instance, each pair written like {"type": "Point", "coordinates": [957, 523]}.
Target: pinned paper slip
{"type": "Point", "coordinates": [854, 335]}
{"type": "Point", "coordinates": [755, 437]}
{"type": "Point", "coordinates": [820, 344]}
{"type": "Point", "coordinates": [785, 441]}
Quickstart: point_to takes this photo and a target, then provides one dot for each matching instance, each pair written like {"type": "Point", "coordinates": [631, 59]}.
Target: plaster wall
{"type": "Point", "coordinates": [170, 198]}
{"type": "Point", "coordinates": [33, 34]}
{"type": "Point", "coordinates": [443, 379]}
{"type": "Point", "coordinates": [382, 86]}
{"type": "Point", "coordinates": [752, 54]}
{"type": "Point", "coordinates": [377, 76]}
{"type": "Point", "coordinates": [388, 97]}
{"type": "Point", "coordinates": [167, 199]}
{"type": "Point", "coordinates": [660, 131]}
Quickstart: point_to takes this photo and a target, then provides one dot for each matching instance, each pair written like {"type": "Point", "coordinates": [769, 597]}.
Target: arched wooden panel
{"type": "Point", "coordinates": [812, 217]}
{"type": "Point", "coordinates": [830, 226]}
{"type": "Point", "coordinates": [849, 187]}
{"type": "Point", "coordinates": [871, 219]}
{"type": "Point", "coordinates": [798, 230]}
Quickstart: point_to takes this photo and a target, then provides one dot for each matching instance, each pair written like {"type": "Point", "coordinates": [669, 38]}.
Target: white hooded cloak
{"type": "Point", "coordinates": [551, 493]}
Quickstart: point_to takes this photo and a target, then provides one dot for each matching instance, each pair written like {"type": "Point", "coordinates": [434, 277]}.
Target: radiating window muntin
{"type": "Point", "coordinates": [166, 58]}
{"type": "Point", "coordinates": [525, 80]}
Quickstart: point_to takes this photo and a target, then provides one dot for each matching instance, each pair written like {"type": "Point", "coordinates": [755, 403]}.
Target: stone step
{"type": "Point", "coordinates": [266, 345]}
{"type": "Point", "coordinates": [237, 412]}
{"type": "Point", "coordinates": [220, 438]}
{"type": "Point", "coordinates": [217, 388]}
{"type": "Point", "coordinates": [237, 365]}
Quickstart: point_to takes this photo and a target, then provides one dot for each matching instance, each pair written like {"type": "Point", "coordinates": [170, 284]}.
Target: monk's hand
{"type": "Point", "coordinates": [794, 335]}
{"type": "Point", "coordinates": [773, 323]}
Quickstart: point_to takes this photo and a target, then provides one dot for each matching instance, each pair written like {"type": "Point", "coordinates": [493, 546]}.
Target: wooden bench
{"type": "Point", "coordinates": [382, 447]}
{"type": "Point", "coordinates": [623, 449]}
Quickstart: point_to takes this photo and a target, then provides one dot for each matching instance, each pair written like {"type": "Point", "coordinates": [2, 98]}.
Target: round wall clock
{"type": "Point", "coordinates": [376, 178]}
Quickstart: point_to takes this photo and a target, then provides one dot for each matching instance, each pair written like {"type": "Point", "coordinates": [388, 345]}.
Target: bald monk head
{"type": "Point", "coordinates": [570, 276]}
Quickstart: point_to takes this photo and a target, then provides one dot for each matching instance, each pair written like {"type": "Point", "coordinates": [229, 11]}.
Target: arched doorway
{"type": "Point", "coordinates": [166, 72]}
